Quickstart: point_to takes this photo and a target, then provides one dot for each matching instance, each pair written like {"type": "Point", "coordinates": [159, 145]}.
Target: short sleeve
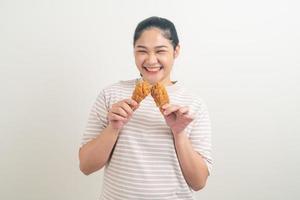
{"type": "Point", "coordinates": [97, 119]}
{"type": "Point", "coordinates": [200, 135]}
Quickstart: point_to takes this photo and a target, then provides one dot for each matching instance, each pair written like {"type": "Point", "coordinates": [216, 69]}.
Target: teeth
{"type": "Point", "coordinates": [153, 69]}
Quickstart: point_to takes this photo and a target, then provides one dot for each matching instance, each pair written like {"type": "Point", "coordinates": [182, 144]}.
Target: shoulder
{"type": "Point", "coordinates": [115, 88]}
{"type": "Point", "coordinates": [191, 97]}
{"type": "Point", "coordinates": [116, 91]}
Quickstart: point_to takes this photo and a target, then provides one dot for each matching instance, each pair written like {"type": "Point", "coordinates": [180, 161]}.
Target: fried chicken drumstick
{"type": "Point", "coordinates": [142, 89]}
{"type": "Point", "coordinates": [158, 92]}
{"type": "Point", "coordinates": [160, 95]}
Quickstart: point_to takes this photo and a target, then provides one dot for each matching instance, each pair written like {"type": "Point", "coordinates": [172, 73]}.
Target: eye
{"type": "Point", "coordinates": [141, 51]}
{"type": "Point", "coordinates": [161, 51]}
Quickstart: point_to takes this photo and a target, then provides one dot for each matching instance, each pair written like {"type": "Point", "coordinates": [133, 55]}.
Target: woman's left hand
{"type": "Point", "coordinates": [177, 117]}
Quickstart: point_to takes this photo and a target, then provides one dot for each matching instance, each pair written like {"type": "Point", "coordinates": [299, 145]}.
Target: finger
{"type": "Point", "coordinates": [189, 117]}
{"type": "Point", "coordinates": [125, 106]}
{"type": "Point", "coordinates": [131, 102]}
{"type": "Point", "coordinates": [118, 110]}
{"type": "Point", "coordinates": [171, 109]}
{"type": "Point", "coordinates": [184, 110]}
{"type": "Point", "coordinates": [165, 106]}
{"type": "Point", "coordinates": [136, 107]}
{"type": "Point", "coordinates": [115, 117]}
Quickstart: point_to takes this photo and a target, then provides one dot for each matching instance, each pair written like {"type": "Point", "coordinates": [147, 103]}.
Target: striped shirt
{"type": "Point", "coordinates": [144, 164]}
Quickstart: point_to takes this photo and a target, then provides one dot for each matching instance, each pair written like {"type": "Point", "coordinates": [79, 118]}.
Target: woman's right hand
{"type": "Point", "coordinates": [120, 113]}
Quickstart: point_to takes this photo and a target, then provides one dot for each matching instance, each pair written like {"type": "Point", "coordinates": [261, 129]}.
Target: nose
{"type": "Point", "coordinates": [152, 59]}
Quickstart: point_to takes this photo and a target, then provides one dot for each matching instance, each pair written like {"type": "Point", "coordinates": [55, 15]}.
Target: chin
{"type": "Point", "coordinates": [152, 81]}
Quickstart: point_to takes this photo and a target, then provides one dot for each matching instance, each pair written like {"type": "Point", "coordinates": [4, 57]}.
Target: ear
{"type": "Point", "coordinates": [177, 51]}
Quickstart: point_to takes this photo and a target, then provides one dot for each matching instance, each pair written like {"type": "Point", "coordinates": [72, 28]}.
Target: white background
{"type": "Point", "coordinates": [241, 57]}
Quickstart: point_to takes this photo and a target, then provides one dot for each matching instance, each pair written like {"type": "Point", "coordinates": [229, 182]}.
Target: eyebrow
{"type": "Point", "coordinates": [157, 47]}
{"type": "Point", "coordinates": [162, 46]}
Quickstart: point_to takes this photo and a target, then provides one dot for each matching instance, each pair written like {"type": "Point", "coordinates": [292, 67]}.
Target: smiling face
{"type": "Point", "coordinates": [154, 56]}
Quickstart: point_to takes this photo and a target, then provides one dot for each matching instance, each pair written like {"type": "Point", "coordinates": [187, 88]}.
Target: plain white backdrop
{"type": "Point", "coordinates": [241, 57]}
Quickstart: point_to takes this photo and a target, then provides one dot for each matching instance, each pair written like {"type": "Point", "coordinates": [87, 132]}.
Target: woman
{"type": "Point", "coordinates": [149, 153]}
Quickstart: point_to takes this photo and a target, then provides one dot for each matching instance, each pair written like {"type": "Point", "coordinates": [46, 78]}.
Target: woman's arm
{"type": "Point", "coordinates": [94, 155]}
{"type": "Point", "coordinates": [193, 166]}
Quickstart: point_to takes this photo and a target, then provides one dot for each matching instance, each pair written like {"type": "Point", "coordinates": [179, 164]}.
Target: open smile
{"type": "Point", "coordinates": [153, 69]}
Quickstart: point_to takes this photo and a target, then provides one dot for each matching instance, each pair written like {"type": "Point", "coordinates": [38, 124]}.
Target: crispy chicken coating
{"type": "Point", "coordinates": [160, 95]}
{"type": "Point", "coordinates": [142, 89]}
